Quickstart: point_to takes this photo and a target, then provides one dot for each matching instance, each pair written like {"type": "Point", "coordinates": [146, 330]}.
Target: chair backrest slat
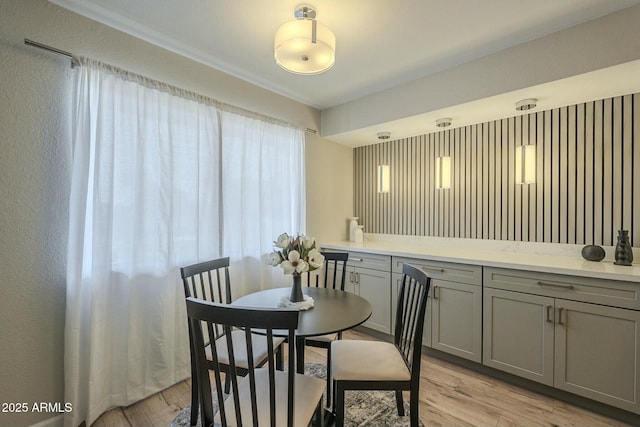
{"type": "Point", "coordinates": [290, 379]}
{"type": "Point", "coordinates": [410, 314]}
{"type": "Point", "coordinates": [250, 321]}
{"type": "Point", "coordinates": [272, 382]}
{"type": "Point", "coordinates": [333, 262]}
{"type": "Point", "coordinates": [204, 280]}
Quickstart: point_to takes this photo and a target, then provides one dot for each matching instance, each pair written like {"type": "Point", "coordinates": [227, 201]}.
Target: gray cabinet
{"type": "Point", "coordinates": [369, 275]}
{"type": "Point", "coordinates": [597, 353]}
{"type": "Point", "coordinates": [454, 309]}
{"type": "Point", "coordinates": [518, 337]}
{"type": "Point", "coordinates": [580, 335]}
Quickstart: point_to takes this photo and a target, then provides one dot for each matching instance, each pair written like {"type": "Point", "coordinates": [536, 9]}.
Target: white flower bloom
{"type": "Point", "coordinates": [307, 242]}
{"type": "Point", "coordinates": [287, 267]}
{"type": "Point", "coordinates": [294, 264]}
{"type": "Point", "coordinates": [274, 258]}
{"type": "Point", "coordinates": [283, 241]}
{"type": "Point", "coordinates": [315, 258]}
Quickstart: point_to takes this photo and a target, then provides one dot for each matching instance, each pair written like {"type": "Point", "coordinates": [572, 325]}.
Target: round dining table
{"type": "Point", "coordinates": [333, 311]}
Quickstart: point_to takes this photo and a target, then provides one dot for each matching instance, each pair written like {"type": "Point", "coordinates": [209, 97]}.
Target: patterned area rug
{"type": "Point", "coordinates": [363, 408]}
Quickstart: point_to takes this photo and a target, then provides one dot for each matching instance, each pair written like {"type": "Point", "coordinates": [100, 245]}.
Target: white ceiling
{"type": "Point", "coordinates": [380, 43]}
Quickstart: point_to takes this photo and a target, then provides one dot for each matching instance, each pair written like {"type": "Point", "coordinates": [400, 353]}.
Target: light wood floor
{"type": "Point", "coordinates": [449, 396]}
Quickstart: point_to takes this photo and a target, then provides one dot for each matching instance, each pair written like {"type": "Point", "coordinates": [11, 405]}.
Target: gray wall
{"type": "Point", "coordinates": [586, 189]}
{"type": "Point", "coordinates": [34, 177]}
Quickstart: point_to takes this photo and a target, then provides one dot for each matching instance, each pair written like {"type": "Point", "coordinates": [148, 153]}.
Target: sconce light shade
{"type": "Point", "coordinates": [383, 179]}
{"type": "Point", "coordinates": [443, 173]}
{"type": "Point", "coordinates": [526, 164]}
{"type": "Point", "coordinates": [304, 46]}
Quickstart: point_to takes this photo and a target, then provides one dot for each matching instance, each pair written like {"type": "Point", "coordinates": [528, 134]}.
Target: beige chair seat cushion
{"type": "Point", "coordinates": [328, 338]}
{"type": "Point", "coordinates": [259, 343]}
{"type": "Point", "coordinates": [367, 361]}
{"type": "Point", "coordinates": [308, 393]}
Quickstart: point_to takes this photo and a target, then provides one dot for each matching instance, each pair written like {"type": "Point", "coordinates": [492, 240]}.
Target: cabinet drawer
{"type": "Point", "coordinates": [367, 260]}
{"type": "Point", "coordinates": [598, 291]}
{"type": "Point", "coordinates": [453, 272]}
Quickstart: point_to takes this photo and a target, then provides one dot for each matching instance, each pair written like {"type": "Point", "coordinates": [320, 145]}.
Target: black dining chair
{"type": "Point", "coordinates": [264, 396]}
{"type": "Point", "coordinates": [378, 365]}
{"type": "Point", "coordinates": [333, 277]}
{"type": "Point", "coordinates": [210, 281]}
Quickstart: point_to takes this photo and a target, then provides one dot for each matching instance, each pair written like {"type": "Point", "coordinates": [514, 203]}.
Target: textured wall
{"type": "Point", "coordinates": [34, 171]}
{"type": "Point", "coordinates": [587, 178]}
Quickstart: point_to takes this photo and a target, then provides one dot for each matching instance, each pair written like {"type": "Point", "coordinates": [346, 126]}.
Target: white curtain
{"type": "Point", "coordinates": [148, 181]}
{"type": "Point", "coordinates": [263, 191]}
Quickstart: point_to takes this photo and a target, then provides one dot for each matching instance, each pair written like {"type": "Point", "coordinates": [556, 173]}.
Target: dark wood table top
{"type": "Point", "coordinates": [333, 310]}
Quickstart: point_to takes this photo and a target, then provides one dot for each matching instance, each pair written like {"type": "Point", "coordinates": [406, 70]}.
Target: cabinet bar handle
{"type": "Point", "coordinates": [436, 270]}
{"type": "Point", "coordinates": [435, 292]}
{"type": "Point", "coordinates": [549, 319]}
{"type": "Point", "coordinates": [555, 285]}
{"type": "Point", "coordinates": [560, 310]}
{"type": "Point", "coordinates": [357, 259]}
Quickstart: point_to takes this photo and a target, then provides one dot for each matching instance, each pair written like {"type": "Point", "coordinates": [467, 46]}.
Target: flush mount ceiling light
{"type": "Point", "coordinates": [526, 104]}
{"type": "Point", "coordinates": [444, 122]}
{"type": "Point", "coordinates": [384, 135]}
{"type": "Point", "coordinates": [304, 46]}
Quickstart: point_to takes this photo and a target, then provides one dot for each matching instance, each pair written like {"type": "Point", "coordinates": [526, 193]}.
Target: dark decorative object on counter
{"type": "Point", "coordinates": [593, 253]}
{"type": "Point", "coordinates": [624, 253]}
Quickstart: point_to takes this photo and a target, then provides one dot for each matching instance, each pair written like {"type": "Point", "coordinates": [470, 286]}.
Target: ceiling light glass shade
{"type": "Point", "coordinates": [443, 173]}
{"type": "Point", "coordinates": [296, 51]}
{"type": "Point", "coordinates": [383, 179]}
{"type": "Point", "coordinates": [526, 164]}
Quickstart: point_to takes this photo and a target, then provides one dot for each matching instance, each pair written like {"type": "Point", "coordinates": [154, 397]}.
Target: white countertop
{"type": "Point", "coordinates": [544, 257]}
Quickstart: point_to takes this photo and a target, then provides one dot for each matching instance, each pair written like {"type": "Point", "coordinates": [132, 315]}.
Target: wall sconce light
{"type": "Point", "coordinates": [383, 179]}
{"type": "Point", "coordinates": [526, 164]}
{"type": "Point", "coordinates": [443, 172]}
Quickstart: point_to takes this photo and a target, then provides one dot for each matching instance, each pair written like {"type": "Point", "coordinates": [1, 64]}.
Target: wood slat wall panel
{"type": "Point", "coordinates": [580, 205]}
{"type": "Point", "coordinates": [584, 193]}
{"type": "Point", "coordinates": [634, 225]}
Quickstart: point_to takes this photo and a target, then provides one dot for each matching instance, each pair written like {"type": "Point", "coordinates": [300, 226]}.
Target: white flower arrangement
{"type": "Point", "coordinates": [296, 255]}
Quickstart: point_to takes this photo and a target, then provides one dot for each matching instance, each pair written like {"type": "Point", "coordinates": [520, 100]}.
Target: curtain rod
{"type": "Point", "coordinates": [74, 61]}
{"type": "Point", "coordinates": [51, 49]}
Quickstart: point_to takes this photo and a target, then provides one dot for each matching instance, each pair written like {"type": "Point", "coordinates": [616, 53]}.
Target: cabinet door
{"type": "Point", "coordinates": [457, 319]}
{"type": "Point", "coordinates": [518, 334]}
{"type": "Point", "coordinates": [374, 286]}
{"type": "Point", "coordinates": [351, 281]}
{"type": "Point", "coordinates": [597, 353]}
